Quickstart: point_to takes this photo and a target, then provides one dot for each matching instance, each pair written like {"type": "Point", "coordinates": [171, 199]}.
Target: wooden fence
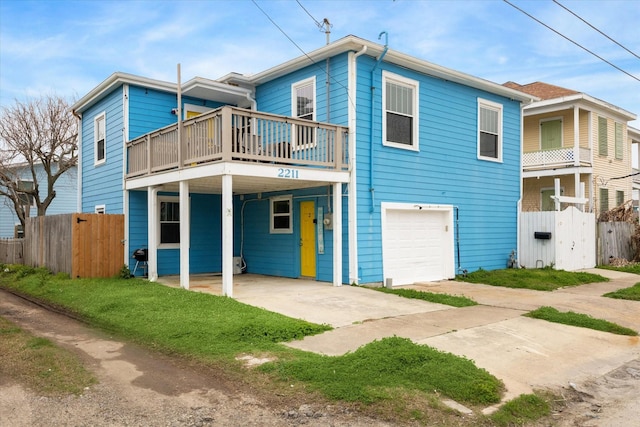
{"type": "Point", "coordinates": [81, 245]}
{"type": "Point", "coordinates": [614, 241]}
{"type": "Point", "coordinates": [11, 251]}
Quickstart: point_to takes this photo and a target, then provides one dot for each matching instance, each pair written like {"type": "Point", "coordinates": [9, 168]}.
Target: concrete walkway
{"type": "Point", "coordinates": [524, 353]}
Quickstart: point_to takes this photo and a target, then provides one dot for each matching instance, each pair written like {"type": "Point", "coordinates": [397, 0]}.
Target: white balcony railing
{"type": "Point", "coordinates": [236, 134]}
{"type": "Point", "coordinates": [563, 157]}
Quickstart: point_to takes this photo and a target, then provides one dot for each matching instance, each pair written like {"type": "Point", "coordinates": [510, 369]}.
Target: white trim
{"type": "Point", "coordinates": [166, 199]}
{"type": "Point", "coordinates": [125, 193]}
{"type": "Point", "coordinates": [414, 85]}
{"type": "Point", "coordinates": [483, 103]}
{"type": "Point", "coordinates": [102, 116]}
{"type": "Point", "coordinates": [273, 230]}
{"type": "Point", "coordinates": [79, 165]}
{"type": "Point", "coordinates": [100, 209]}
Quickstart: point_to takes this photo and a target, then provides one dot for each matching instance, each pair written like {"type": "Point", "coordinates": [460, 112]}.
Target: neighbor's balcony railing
{"type": "Point", "coordinates": [562, 157]}
{"type": "Point", "coordinates": [231, 134]}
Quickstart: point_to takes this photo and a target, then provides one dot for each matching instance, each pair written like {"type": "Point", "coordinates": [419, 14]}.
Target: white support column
{"type": "Point", "coordinates": [185, 234]}
{"type": "Point", "coordinates": [576, 138]}
{"type": "Point", "coordinates": [556, 185]}
{"type": "Point", "coordinates": [227, 235]}
{"type": "Point", "coordinates": [153, 216]}
{"type": "Point", "coordinates": [337, 234]}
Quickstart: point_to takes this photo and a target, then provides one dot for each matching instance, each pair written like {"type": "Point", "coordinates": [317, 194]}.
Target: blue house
{"type": "Point", "coordinates": [66, 188]}
{"type": "Point", "coordinates": [352, 164]}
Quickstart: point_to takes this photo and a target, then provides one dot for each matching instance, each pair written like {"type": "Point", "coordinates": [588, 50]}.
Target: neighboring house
{"type": "Point", "coordinates": [634, 136]}
{"type": "Point", "coordinates": [352, 164]}
{"type": "Point", "coordinates": [579, 139]}
{"type": "Point", "coordinates": [66, 188]}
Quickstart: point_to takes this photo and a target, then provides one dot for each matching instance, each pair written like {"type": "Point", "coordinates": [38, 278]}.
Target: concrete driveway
{"type": "Point", "coordinates": [524, 353]}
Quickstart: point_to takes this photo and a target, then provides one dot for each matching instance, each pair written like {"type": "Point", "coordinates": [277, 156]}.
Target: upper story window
{"type": "Point", "coordinates": [619, 142]}
{"type": "Point", "coordinates": [400, 111]}
{"type": "Point", "coordinates": [169, 221]}
{"type": "Point", "coordinates": [303, 99]}
{"type": "Point", "coordinates": [551, 134]}
{"type": "Point", "coordinates": [281, 215]}
{"type": "Point", "coordinates": [303, 106]}
{"type": "Point", "coordinates": [489, 130]}
{"type": "Point", "coordinates": [603, 140]}
{"type": "Point", "coordinates": [99, 138]}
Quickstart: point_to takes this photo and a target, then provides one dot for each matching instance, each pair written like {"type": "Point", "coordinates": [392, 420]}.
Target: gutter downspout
{"type": "Point", "coordinates": [373, 90]}
{"type": "Point", "coordinates": [352, 202]}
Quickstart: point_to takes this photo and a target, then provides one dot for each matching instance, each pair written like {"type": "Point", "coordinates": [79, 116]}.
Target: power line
{"type": "Point", "coordinates": [583, 20]}
{"type": "Point", "coordinates": [318, 23]}
{"type": "Point", "coordinates": [576, 43]}
{"type": "Point", "coordinates": [301, 50]}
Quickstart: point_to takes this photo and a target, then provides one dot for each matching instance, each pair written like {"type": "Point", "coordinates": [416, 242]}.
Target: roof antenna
{"type": "Point", "coordinates": [327, 28]}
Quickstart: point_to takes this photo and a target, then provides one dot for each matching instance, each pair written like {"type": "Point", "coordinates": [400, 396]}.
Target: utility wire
{"type": "Point", "coordinates": [576, 43]}
{"type": "Point", "coordinates": [583, 20]}
{"type": "Point", "coordinates": [301, 50]}
{"type": "Point", "coordinates": [318, 23]}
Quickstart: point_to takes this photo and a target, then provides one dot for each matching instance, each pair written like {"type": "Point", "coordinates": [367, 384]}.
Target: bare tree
{"type": "Point", "coordinates": [38, 144]}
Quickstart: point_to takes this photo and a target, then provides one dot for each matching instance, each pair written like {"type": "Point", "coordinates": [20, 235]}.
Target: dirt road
{"type": "Point", "coordinates": [142, 388]}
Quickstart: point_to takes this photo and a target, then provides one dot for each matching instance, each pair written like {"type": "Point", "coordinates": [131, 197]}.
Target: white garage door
{"type": "Point", "coordinates": [417, 244]}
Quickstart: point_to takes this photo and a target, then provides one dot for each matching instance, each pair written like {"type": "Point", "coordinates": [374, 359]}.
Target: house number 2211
{"type": "Point", "coordinates": [287, 173]}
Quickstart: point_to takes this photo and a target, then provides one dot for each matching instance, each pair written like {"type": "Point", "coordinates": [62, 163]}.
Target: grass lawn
{"type": "Point", "coordinates": [542, 279]}
{"type": "Point", "coordinates": [631, 268]}
{"type": "Point", "coordinates": [452, 300]}
{"type": "Point", "coordinates": [578, 319]}
{"type": "Point", "coordinates": [217, 329]}
{"type": "Point", "coordinates": [632, 293]}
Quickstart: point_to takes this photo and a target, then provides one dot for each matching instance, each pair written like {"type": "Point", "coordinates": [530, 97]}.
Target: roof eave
{"type": "Point", "coordinates": [566, 101]}
{"type": "Point", "coordinates": [353, 43]}
{"type": "Point", "coordinates": [116, 79]}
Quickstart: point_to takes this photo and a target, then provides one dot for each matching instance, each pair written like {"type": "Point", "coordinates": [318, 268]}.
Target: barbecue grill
{"type": "Point", "coordinates": [141, 256]}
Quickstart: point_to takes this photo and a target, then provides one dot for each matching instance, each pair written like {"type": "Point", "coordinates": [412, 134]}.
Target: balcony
{"type": "Point", "coordinates": [230, 134]}
{"type": "Point", "coordinates": [552, 159]}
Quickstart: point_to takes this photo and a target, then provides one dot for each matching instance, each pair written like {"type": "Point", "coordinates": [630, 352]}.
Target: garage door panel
{"type": "Point", "coordinates": [415, 245]}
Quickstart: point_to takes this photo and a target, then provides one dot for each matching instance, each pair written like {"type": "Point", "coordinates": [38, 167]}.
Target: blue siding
{"type": "Point", "coordinates": [66, 188]}
{"type": "Point", "coordinates": [102, 184]}
{"type": "Point", "coordinates": [445, 171]}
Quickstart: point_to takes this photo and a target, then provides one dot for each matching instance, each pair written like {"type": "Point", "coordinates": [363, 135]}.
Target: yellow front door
{"type": "Point", "coordinates": [307, 239]}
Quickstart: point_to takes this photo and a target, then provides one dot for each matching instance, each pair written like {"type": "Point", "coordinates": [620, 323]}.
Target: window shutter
{"type": "Point", "coordinates": [602, 136]}
{"type": "Point", "coordinates": [619, 143]}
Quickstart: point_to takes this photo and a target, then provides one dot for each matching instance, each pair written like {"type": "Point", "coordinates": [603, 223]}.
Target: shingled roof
{"type": "Point", "coordinates": [541, 90]}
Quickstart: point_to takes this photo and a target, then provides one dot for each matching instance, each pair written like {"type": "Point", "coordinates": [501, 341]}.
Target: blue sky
{"type": "Point", "coordinates": [68, 47]}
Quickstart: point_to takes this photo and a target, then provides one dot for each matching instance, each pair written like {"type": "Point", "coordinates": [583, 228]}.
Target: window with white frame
{"type": "Point", "coordinates": [303, 106]}
{"type": "Point", "coordinates": [400, 111]}
{"type": "Point", "coordinates": [169, 221]}
{"type": "Point", "coordinates": [489, 130]}
{"type": "Point", "coordinates": [303, 99]}
{"type": "Point", "coordinates": [99, 138]}
{"type": "Point", "coordinates": [281, 215]}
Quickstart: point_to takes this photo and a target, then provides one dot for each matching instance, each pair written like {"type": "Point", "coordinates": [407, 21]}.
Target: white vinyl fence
{"type": "Point", "coordinates": [565, 240]}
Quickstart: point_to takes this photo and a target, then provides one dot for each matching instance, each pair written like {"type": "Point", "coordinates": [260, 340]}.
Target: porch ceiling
{"type": "Point", "coordinates": [248, 178]}
{"type": "Point", "coordinates": [242, 185]}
